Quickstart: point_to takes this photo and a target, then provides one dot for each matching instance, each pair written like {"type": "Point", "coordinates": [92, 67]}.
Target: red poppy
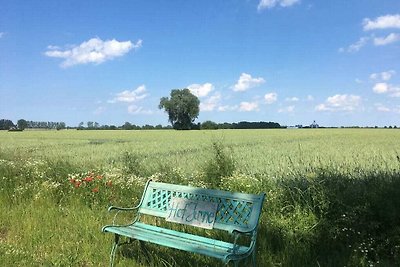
{"type": "Point", "coordinates": [77, 184]}
{"type": "Point", "coordinates": [87, 179]}
{"type": "Point", "coordinates": [72, 180]}
{"type": "Point", "coordinates": [95, 190]}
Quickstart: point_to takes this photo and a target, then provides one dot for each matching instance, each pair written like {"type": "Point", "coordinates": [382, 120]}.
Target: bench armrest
{"type": "Point", "coordinates": [119, 209]}
{"type": "Point", "coordinates": [122, 209]}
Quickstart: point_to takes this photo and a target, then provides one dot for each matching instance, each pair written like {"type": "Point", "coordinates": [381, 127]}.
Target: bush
{"type": "Point", "coordinates": [220, 165]}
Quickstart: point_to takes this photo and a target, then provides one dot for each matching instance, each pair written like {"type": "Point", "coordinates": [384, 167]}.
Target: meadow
{"type": "Point", "coordinates": [333, 195]}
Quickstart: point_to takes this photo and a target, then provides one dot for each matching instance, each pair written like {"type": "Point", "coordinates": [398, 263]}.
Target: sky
{"type": "Point", "coordinates": [287, 61]}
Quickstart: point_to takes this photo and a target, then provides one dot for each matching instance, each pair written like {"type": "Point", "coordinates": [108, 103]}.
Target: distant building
{"type": "Point", "coordinates": [314, 125]}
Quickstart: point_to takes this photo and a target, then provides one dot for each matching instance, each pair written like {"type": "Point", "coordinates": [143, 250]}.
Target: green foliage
{"type": "Point", "coordinates": [182, 108]}
{"type": "Point", "coordinates": [220, 165]}
{"type": "Point", "coordinates": [22, 124]}
{"type": "Point", "coordinates": [209, 125]}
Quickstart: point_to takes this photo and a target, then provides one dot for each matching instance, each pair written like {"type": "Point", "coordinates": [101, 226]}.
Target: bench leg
{"type": "Point", "coordinates": [254, 257]}
{"type": "Point", "coordinates": [114, 248]}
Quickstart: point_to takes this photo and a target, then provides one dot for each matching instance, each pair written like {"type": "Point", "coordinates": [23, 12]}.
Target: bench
{"type": "Point", "coordinates": [236, 213]}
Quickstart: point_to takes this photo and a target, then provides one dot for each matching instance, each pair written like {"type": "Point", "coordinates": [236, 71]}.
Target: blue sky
{"type": "Point", "coordinates": [289, 61]}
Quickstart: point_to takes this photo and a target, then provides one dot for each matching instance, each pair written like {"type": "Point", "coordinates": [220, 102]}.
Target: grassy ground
{"type": "Point", "coordinates": [332, 195]}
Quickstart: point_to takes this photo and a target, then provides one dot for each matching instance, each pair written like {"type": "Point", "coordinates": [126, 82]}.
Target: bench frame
{"type": "Point", "coordinates": [237, 213]}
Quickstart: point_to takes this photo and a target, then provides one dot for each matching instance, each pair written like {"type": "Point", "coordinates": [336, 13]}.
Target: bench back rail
{"type": "Point", "coordinates": [236, 211]}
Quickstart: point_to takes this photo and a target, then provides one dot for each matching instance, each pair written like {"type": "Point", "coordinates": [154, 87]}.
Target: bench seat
{"type": "Point", "coordinates": [179, 240]}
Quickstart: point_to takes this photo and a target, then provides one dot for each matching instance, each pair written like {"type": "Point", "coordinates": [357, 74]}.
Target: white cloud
{"type": "Point", "coordinates": [288, 109]}
{"type": "Point", "coordinates": [310, 98]}
{"type": "Point", "coordinates": [133, 109]}
{"type": "Point", "coordinates": [248, 106]}
{"type": "Point", "coordinates": [2, 34]}
{"type": "Point", "coordinates": [383, 22]}
{"type": "Point", "coordinates": [227, 108]}
{"type": "Point", "coordinates": [340, 103]}
{"type": "Point", "coordinates": [386, 88]}
{"type": "Point", "coordinates": [270, 98]}
{"type": "Point", "coordinates": [292, 99]}
{"type": "Point", "coordinates": [391, 38]}
{"type": "Point", "coordinates": [382, 108]}
{"type": "Point", "coordinates": [246, 82]}
{"type": "Point", "coordinates": [356, 46]}
{"type": "Point", "coordinates": [130, 96]}
{"type": "Point", "coordinates": [210, 103]}
{"type": "Point", "coordinates": [263, 4]}
{"type": "Point", "coordinates": [381, 88]}
{"type": "Point", "coordinates": [94, 51]}
{"type": "Point", "coordinates": [201, 90]}
{"type": "Point", "coordinates": [384, 76]}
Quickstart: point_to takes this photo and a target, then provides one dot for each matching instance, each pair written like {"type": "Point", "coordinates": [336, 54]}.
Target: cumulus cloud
{"type": "Point", "coordinates": [391, 38]}
{"type": "Point", "coordinates": [386, 88]}
{"type": "Point", "coordinates": [384, 76]}
{"type": "Point", "coordinates": [270, 98]}
{"type": "Point", "coordinates": [210, 103]}
{"type": "Point", "coordinates": [340, 103]}
{"type": "Point", "coordinates": [248, 106]}
{"type": "Point", "coordinates": [201, 90]}
{"type": "Point", "coordinates": [381, 88]}
{"type": "Point", "coordinates": [356, 46]}
{"type": "Point", "coordinates": [94, 51]}
{"type": "Point", "coordinates": [382, 22]}
{"type": "Point", "coordinates": [130, 96]}
{"type": "Point", "coordinates": [246, 82]}
{"type": "Point", "coordinates": [310, 98]}
{"type": "Point", "coordinates": [263, 4]}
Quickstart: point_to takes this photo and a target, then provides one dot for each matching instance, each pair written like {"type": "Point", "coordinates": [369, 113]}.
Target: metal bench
{"type": "Point", "coordinates": [236, 213]}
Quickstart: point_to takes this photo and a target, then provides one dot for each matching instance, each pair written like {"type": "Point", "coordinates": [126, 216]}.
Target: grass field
{"type": "Point", "coordinates": [332, 194]}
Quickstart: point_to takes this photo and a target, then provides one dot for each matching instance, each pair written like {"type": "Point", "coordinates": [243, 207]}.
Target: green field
{"type": "Point", "coordinates": [333, 195]}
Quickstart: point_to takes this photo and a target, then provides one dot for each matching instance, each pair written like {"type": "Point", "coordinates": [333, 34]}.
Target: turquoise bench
{"type": "Point", "coordinates": [236, 213]}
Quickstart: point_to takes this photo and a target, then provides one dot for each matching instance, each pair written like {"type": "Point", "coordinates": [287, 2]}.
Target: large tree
{"type": "Point", "coordinates": [182, 108]}
{"type": "Point", "coordinates": [22, 124]}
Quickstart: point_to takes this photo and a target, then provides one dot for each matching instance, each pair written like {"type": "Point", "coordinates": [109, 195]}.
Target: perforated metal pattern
{"type": "Point", "coordinates": [230, 211]}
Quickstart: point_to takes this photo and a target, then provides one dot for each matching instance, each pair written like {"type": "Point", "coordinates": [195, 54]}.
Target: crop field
{"type": "Point", "coordinates": [333, 195]}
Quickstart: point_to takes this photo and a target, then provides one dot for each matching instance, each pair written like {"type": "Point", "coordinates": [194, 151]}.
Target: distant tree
{"type": "Point", "coordinates": [22, 124]}
{"type": "Point", "coordinates": [127, 126]}
{"type": "Point", "coordinates": [60, 126]}
{"type": "Point", "coordinates": [182, 108]}
{"type": "Point", "coordinates": [209, 125]}
{"type": "Point", "coordinates": [6, 124]}
{"type": "Point", "coordinates": [90, 124]}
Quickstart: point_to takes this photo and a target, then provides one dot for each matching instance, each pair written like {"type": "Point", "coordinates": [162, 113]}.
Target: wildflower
{"type": "Point", "coordinates": [72, 180]}
{"type": "Point", "coordinates": [109, 183]}
{"type": "Point", "coordinates": [99, 177]}
{"type": "Point", "coordinates": [87, 179]}
{"type": "Point", "coordinates": [77, 184]}
{"type": "Point", "coordinates": [95, 190]}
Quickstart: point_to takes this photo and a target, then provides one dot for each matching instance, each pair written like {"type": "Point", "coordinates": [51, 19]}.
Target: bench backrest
{"type": "Point", "coordinates": [236, 211]}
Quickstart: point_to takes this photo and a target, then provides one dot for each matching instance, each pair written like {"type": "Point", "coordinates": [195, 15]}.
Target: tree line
{"type": "Point", "coordinates": [22, 124]}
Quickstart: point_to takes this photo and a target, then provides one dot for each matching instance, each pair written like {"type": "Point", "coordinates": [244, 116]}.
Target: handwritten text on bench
{"type": "Point", "coordinates": [192, 212]}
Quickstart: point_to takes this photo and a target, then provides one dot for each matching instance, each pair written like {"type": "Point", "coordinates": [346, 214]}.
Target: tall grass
{"type": "Point", "coordinates": [332, 195]}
